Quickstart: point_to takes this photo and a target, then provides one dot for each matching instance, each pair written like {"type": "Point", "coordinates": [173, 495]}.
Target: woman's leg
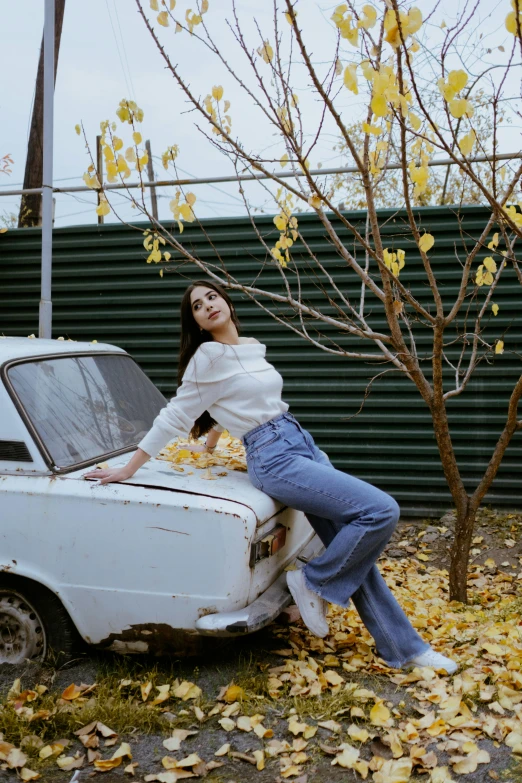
{"type": "Point", "coordinates": [374, 601]}
{"type": "Point", "coordinates": [355, 521]}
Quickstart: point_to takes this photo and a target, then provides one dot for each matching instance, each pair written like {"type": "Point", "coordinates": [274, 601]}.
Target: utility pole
{"type": "Point", "coordinates": [30, 206]}
{"type": "Point", "coordinates": [150, 172]}
{"type": "Point", "coordinates": [99, 172]}
{"type": "Point", "coordinates": [49, 75]}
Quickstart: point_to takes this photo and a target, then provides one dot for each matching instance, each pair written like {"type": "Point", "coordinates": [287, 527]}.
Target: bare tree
{"type": "Point", "coordinates": [419, 90]}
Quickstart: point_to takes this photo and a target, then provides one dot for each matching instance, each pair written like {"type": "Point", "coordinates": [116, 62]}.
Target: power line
{"type": "Point", "coordinates": [124, 49]}
{"type": "Point", "coordinates": [118, 48]}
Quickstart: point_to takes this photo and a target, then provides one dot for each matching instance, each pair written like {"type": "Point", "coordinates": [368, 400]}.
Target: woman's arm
{"type": "Point", "coordinates": [194, 396]}
{"type": "Point", "coordinates": [108, 475]}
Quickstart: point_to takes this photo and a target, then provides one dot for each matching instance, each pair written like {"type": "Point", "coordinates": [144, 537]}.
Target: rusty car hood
{"type": "Point", "coordinates": [235, 486]}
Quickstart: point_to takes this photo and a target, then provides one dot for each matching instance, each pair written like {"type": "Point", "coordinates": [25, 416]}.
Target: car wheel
{"type": "Point", "coordinates": [34, 625]}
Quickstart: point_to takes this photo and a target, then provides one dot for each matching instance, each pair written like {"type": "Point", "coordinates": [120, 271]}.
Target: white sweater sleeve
{"type": "Point", "coordinates": [193, 397]}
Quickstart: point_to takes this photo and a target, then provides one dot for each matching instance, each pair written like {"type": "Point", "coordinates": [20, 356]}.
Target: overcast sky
{"type": "Point", "coordinates": [107, 54]}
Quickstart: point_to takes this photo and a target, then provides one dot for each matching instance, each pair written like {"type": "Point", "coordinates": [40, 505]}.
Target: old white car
{"type": "Point", "coordinates": [146, 566]}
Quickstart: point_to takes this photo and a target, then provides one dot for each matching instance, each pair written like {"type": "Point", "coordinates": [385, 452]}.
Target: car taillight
{"type": "Point", "coordinates": [268, 545]}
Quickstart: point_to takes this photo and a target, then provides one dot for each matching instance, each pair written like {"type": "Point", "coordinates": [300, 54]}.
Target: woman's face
{"type": "Point", "coordinates": [209, 309]}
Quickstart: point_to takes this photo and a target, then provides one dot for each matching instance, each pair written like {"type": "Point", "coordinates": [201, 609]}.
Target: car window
{"type": "Point", "coordinates": [86, 406]}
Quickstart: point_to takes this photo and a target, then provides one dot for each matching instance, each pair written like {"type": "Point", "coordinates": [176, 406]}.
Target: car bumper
{"type": "Point", "coordinates": [263, 610]}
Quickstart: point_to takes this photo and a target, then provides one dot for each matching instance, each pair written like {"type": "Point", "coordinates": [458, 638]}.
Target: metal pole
{"type": "Point", "coordinates": [99, 171]}
{"type": "Point", "coordinates": [150, 172]}
{"type": "Point", "coordinates": [46, 311]}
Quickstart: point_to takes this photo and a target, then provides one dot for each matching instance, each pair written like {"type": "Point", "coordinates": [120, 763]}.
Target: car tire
{"type": "Point", "coordinates": [34, 625]}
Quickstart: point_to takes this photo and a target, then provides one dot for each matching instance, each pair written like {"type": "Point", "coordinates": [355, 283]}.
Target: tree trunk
{"type": "Point", "coordinates": [30, 206]}
{"type": "Point", "coordinates": [466, 510]}
{"type": "Point", "coordinates": [464, 527]}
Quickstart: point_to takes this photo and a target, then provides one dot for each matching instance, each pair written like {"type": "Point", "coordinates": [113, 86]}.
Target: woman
{"type": "Point", "coordinates": [225, 382]}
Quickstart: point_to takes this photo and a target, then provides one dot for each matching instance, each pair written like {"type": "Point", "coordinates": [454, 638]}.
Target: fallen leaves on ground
{"type": "Point", "coordinates": [435, 726]}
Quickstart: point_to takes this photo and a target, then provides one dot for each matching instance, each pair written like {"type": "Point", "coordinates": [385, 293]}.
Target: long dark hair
{"type": "Point", "coordinates": [192, 337]}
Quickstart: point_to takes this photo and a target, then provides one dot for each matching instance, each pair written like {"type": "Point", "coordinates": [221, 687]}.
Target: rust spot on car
{"type": "Point", "coordinates": [204, 610]}
{"type": "Point", "coordinates": [161, 639]}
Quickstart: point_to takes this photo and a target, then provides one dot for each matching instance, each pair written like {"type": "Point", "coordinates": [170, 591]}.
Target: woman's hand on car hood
{"type": "Point", "coordinates": [108, 475]}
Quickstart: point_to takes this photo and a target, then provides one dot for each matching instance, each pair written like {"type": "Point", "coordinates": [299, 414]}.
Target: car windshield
{"type": "Point", "coordinates": [85, 407]}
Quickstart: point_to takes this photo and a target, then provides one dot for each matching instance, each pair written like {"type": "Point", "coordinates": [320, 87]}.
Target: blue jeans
{"type": "Point", "coordinates": [353, 519]}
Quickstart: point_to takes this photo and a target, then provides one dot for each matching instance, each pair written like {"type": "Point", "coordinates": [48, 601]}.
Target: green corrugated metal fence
{"type": "Point", "coordinates": [104, 290]}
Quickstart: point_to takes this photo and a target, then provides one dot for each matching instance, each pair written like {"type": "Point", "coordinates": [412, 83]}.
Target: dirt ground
{"type": "Point", "coordinates": [497, 539]}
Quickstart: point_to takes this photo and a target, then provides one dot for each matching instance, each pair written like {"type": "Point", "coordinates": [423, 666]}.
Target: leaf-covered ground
{"type": "Point", "coordinates": [284, 705]}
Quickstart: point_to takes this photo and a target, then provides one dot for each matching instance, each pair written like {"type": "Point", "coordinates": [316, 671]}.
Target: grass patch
{"type": "Point", "coordinates": [123, 710]}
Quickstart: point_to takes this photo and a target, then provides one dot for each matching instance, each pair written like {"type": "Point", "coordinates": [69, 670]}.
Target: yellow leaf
{"type": "Point", "coordinates": [284, 160]}
{"type": "Point", "coordinates": [394, 771]}
{"type": "Point", "coordinates": [163, 18]}
{"type": "Point", "coordinates": [233, 693]}
{"type": "Point", "coordinates": [190, 761]}
{"type": "Point", "coordinates": [380, 715]}
{"type": "Point", "coordinates": [511, 23]}
{"type": "Point", "coordinates": [348, 757]}
{"type": "Point", "coordinates": [499, 347]}
{"type": "Point", "coordinates": [350, 78]}
{"type": "Point", "coordinates": [459, 107]}
{"type": "Point", "coordinates": [190, 198]}
{"type": "Point", "coordinates": [260, 759]}
{"type": "Point", "coordinates": [490, 264]}
{"type": "Point", "coordinates": [333, 678]}
{"type": "Point", "coordinates": [373, 129]}
{"type": "Point", "coordinates": [467, 142]}
{"type": "Point", "coordinates": [379, 106]}
{"type": "Point", "coordinates": [223, 750]}
{"type": "Point", "coordinates": [187, 690]}
{"type": "Point", "coordinates": [369, 18]}
{"type": "Point", "coordinates": [458, 79]}
{"type": "Point", "coordinates": [154, 5]}
{"type": "Point", "coordinates": [315, 202]}
{"type": "Point", "coordinates": [244, 723]}
{"type": "Point", "coordinates": [69, 763]}
{"type": "Point", "coordinates": [145, 688]}
{"type": "Point", "coordinates": [266, 52]}
{"type": "Point", "coordinates": [495, 309]}
{"type": "Point", "coordinates": [136, 137]}
{"type": "Point", "coordinates": [426, 242]}
{"type": "Point", "coordinates": [105, 764]}
{"type": "Point", "coordinates": [77, 129]}
{"type": "Point", "coordinates": [28, 774]}
{"type": "Point", "coordinates": [358, 734]}
{"type": "Point", "coordinates": [72, 691]}
{"type": "Point", "coordinates": [414, 121]}
{"type": "Point", "coordinates": [227, 724]}
{"type": "Point", "coordinates": [123, 750]}
{"type": "Point", "coordinates": [217, 92]}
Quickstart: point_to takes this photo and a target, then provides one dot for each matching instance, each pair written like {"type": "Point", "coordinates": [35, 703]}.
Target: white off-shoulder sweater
{"type": "Point", "coordinates": [234, 383]}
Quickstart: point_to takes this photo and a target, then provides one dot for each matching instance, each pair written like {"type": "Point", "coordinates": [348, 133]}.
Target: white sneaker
{"type": "Point", "coordinates": [311, 605]}
{"type": "Point", "coordinates": [433, 659]}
